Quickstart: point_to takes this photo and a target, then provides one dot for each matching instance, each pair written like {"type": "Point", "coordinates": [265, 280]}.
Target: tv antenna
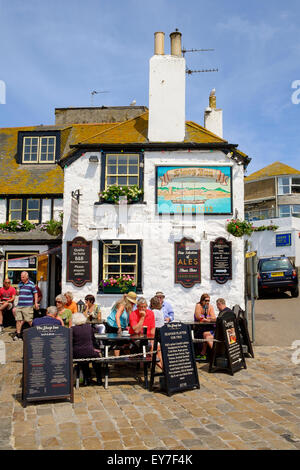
{"type": "Point", "coordinates": [189, 71]}
{"type": "Point", "coordinates": [93, 93]}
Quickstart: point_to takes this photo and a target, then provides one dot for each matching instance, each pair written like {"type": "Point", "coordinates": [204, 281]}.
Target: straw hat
{"type": "Point", "coordinates": [132, 297]}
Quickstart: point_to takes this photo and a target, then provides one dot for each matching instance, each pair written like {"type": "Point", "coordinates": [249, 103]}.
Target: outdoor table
{"type": "Point", "coordinates": [114, 339]}
{"type": "Point", "coordinates": [198, 328]}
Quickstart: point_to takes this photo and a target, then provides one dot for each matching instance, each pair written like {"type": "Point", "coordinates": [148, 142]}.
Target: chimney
{"type": "Point", "coordinates": [213, 118]}
{"type": "Point", "coordinates": [167, 91]}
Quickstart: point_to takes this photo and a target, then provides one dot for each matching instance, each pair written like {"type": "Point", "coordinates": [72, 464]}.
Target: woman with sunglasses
{"type": "Point", "coordinates": [204, 313]}
{"type": "Point", "coordinates": [64, 313]}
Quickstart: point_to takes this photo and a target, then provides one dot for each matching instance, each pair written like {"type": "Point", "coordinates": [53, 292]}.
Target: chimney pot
{"type": "Point", "coordinates": [176, 43]}
{"type": "Point", "coordinates": [159, 43]}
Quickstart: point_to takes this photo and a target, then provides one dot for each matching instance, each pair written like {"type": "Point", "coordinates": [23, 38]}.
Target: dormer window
{"type": "Point", "coordinates": [39, 149]}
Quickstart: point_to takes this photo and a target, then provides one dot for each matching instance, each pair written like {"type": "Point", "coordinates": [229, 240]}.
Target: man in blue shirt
{"type": "Point", "coordinates": [27, 299]}
{"type": "Point", "coordinates": [165, 307]}
{"type": "Point", "coordinates": [51, 318]}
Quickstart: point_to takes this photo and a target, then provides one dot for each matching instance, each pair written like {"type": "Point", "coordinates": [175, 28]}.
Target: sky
{"type": "Point", "coordinates": [54, 54]}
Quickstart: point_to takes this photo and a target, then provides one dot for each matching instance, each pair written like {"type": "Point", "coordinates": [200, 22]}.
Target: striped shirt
{"type": "Point", "coordinates": [26, 296]}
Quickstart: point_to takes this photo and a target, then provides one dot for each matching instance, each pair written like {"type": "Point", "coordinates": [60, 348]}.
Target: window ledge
{"type": "Point", "coordinates": [100, 203]}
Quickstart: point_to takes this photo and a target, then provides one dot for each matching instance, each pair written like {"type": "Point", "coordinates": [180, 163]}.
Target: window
{"type": "Point", "coordinates": [122, 170]}
{"type": "Point", "coordinates": [15, 209]}
{"type": "Point", "coordinates": [39, 149]}
{"type": "Point", "coordinates": [24, 209]}
{"type": "Point", "coordinates": [121, 257]}
{"type": "Point", "coordinates": [33, 210]}
{"type": "Point", "coordinates": [16, 262]}
{"type": "Point", "coordinates": [288, 185]}
{"type": "Point", "coordinates": [286, 210]}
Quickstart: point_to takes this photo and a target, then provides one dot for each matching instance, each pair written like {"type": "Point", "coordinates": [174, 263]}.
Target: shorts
{"type": "Point", "coordinates": [24, 314]}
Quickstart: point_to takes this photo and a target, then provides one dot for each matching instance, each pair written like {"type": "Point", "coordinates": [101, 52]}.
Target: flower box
{"type": "Point", "coordinates": [117, 290]}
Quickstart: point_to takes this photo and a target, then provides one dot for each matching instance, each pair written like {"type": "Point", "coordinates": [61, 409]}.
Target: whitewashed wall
{"type": "Point", "coordinates": [265, 242]}
{"type": "Point", "coordinates": [158, 233]}
{"type": "Point", "coordinates": [2, 210]}
{"type": "Point", "coordinates": [57, 208]}
{"type": "Point", "coordinates": [46, 210]}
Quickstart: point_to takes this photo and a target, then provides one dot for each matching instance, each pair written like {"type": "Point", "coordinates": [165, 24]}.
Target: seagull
{"type": "Point", "coordinates": [133, 103]}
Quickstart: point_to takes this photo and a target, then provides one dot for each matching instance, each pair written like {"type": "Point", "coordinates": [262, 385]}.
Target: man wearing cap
{"type": "Point", "coordinates": [165, 307]}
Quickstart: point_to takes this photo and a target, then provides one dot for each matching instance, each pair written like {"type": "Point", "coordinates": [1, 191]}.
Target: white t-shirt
{"type": "Point", "coordinates": [159, 318]}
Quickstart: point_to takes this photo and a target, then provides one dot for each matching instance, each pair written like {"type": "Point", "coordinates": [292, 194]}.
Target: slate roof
{"type": "Point", "coordinates": [274, 169]}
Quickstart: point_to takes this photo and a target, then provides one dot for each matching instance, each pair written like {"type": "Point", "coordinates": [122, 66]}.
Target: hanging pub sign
{"type": "Point", "coordinates": [221, 260]}
{"type": "Point", "coordinates": [79, 262]}
{"type": "Point", "coordinates": [47, 363]}
{"type": "Point", "coordinates": [187, 262]}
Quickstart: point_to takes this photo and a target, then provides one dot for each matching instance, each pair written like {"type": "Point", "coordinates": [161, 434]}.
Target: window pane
{"type": "Point", "coordinates": [16, 215]}
{"type": "Point", "coordinates": [122, 181]}
{"type": "Point", "coordinates": [129, 248]}
{"type": "Point", "coordinates": [133, 170]}
{"type": "Point", "coordinates": [132, 180]}
{"type": "Point", "coordinates": [111, 159]}
{"type": "Point", "coordinates": [296, 189]}
{"type": "Point", "coordinates": [296, 181]}
{"type": "Point", "coordinates": [133, 159]}
{"type": "Point", "coordinates": [284, 181]}
{"type": "Point", "coordinates": [33, 203]}
{"type": "Point", "coordinates": [111, 180]}
{"type": "Point", "coordinates": [284, 210]}
{"type": "Point", "coordinates": [111, 170]}
{"type": "Point", "coordinates": [16, 204]}
{"type": "Point", "coordinates": [113, 259]}
{"type": "Point", "coordinates": [122, 160]}
{"type": "Point", "coordinates": [33, 215]}
{"type": "Point", "coordinates": [113, 268]}
{"type": "Point", "coordinates": [122, 169]}
{"type": "Point", "coordinates": [128, 258]}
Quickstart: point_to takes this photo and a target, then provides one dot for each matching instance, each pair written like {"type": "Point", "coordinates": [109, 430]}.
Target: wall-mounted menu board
{"type": "Point", "coordinates": [47, 363]}
{"type": "Point", "coordinates": [79, 261]}
{"type": "Point", "coordinates": [221, 260]}
{"type": "Point", "coordinates": [187, 263]}
{"type": "Point", "coordinates": [177, 350]}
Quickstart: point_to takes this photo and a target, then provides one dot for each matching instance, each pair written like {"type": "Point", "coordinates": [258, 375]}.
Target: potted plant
{"type": "Point", "coordinates": [53, 227]}
{"type": "Point", "coordinates": [121, 284]}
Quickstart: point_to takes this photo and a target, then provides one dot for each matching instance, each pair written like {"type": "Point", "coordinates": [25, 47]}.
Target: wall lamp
{"type": "Point", "coordinates": [93, 159]}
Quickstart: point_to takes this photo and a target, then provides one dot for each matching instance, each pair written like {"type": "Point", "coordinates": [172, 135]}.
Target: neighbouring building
{"type": "Point", "coordinates": [272, 197]}
{"type": "Point", "coordinates": [273, 191]}
{"type": "Point", "coordinates": [171, 234]}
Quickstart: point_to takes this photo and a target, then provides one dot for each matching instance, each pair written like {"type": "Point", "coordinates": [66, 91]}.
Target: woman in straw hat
{"type": "Point", "coordinates": [118, 318]}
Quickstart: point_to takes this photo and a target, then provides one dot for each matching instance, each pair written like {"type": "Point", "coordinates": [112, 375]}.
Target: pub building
{"type": "Point", "coordinates": [183, 180]}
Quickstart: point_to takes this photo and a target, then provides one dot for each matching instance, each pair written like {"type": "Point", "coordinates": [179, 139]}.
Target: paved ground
{"type": "Point", "coordinates": [277, 320]}
{"type": "Point", "coordinates": [257, 408]}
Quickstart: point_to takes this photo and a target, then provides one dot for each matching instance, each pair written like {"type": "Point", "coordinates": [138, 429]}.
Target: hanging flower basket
{"type": "Point", "coordinates": [238, 228]}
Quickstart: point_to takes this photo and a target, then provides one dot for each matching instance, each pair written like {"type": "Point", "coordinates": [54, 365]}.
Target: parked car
{"type": "Point", "coordinates": [277, 274]}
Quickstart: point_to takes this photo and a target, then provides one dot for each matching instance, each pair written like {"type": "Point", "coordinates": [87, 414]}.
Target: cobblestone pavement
{"type": "Point", "coordinates": [257, 408]}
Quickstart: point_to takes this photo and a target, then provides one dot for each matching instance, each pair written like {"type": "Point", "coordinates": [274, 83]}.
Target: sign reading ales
{"type": "Point", "coordinates": [221, 260]}
{"type": "Point", "coordinates": [79, 261]}
{"type": "Point", "coordinates": [187, 262]}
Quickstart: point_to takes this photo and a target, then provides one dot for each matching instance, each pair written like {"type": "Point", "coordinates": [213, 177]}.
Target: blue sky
{"type": "Point", "coordinates": [53, 54]}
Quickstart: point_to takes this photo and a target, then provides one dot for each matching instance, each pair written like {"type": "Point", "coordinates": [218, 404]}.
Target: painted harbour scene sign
{"type": "Point", "coordinates": [79, 262]}
{"type": "Point", "coordinates": [194, 189]}
{"type": "Point", "coordinates": [187, 262]}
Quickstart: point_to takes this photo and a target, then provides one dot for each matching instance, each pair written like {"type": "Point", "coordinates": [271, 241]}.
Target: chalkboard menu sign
{"type": "Point", "coordinates": [47, 363]}
{"type": "Point", "coordinates": [187, 262]}
{"type": "Point", "coordinates": [179, 366]}
{"type": "Point", "coordinates": [221, 260]}
{"type": "Point", "coordinates": [227, 351]}
{"type": "Point", "coordinates": [79, 261]}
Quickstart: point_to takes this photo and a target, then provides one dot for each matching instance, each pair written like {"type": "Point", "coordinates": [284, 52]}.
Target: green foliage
{"type": "Point", "coordinates": [17, 226]}
{"type": "Point", "coordinates": [53, 227]}
{"type": "Point", "coordinates": [238, 227]}
{"type": "Point", "coordinates": [124, 283]}
{"type": "Point", "coordinates": [114, 192]}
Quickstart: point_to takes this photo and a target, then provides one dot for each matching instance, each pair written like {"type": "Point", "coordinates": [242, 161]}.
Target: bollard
{"type": "Point", "coordinates": [2, 353]}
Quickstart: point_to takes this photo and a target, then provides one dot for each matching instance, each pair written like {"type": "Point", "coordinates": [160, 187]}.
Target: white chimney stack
{"type": "Point", "coordinates": [213, 118]}
{"type": "Point", "coordinates": [167, 91]}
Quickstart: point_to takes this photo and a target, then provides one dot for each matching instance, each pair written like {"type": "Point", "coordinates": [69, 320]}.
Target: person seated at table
{"type": "Point", "coordinates": [64, 313]}
{"type": "Point", "coordinates": [204, 313]}
{"type": "Point", "coordinates": [51, 318]}
{"type": "Point", "coordinates": [84, 346]}
{"type": "Point", "coordinates": [118, 318]}
{"type": "Point", "coordinates": [156, 307]}
{"type": "Point", "coordinates": [92, 310]}
{"type": "Point", "coordinates": [70, 304]}
{"type": "Point", "coordinates": [140, 318]}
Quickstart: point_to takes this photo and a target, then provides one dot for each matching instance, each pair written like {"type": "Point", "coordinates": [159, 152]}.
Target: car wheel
{"type": "Point", "coordinates": [295, 292]}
